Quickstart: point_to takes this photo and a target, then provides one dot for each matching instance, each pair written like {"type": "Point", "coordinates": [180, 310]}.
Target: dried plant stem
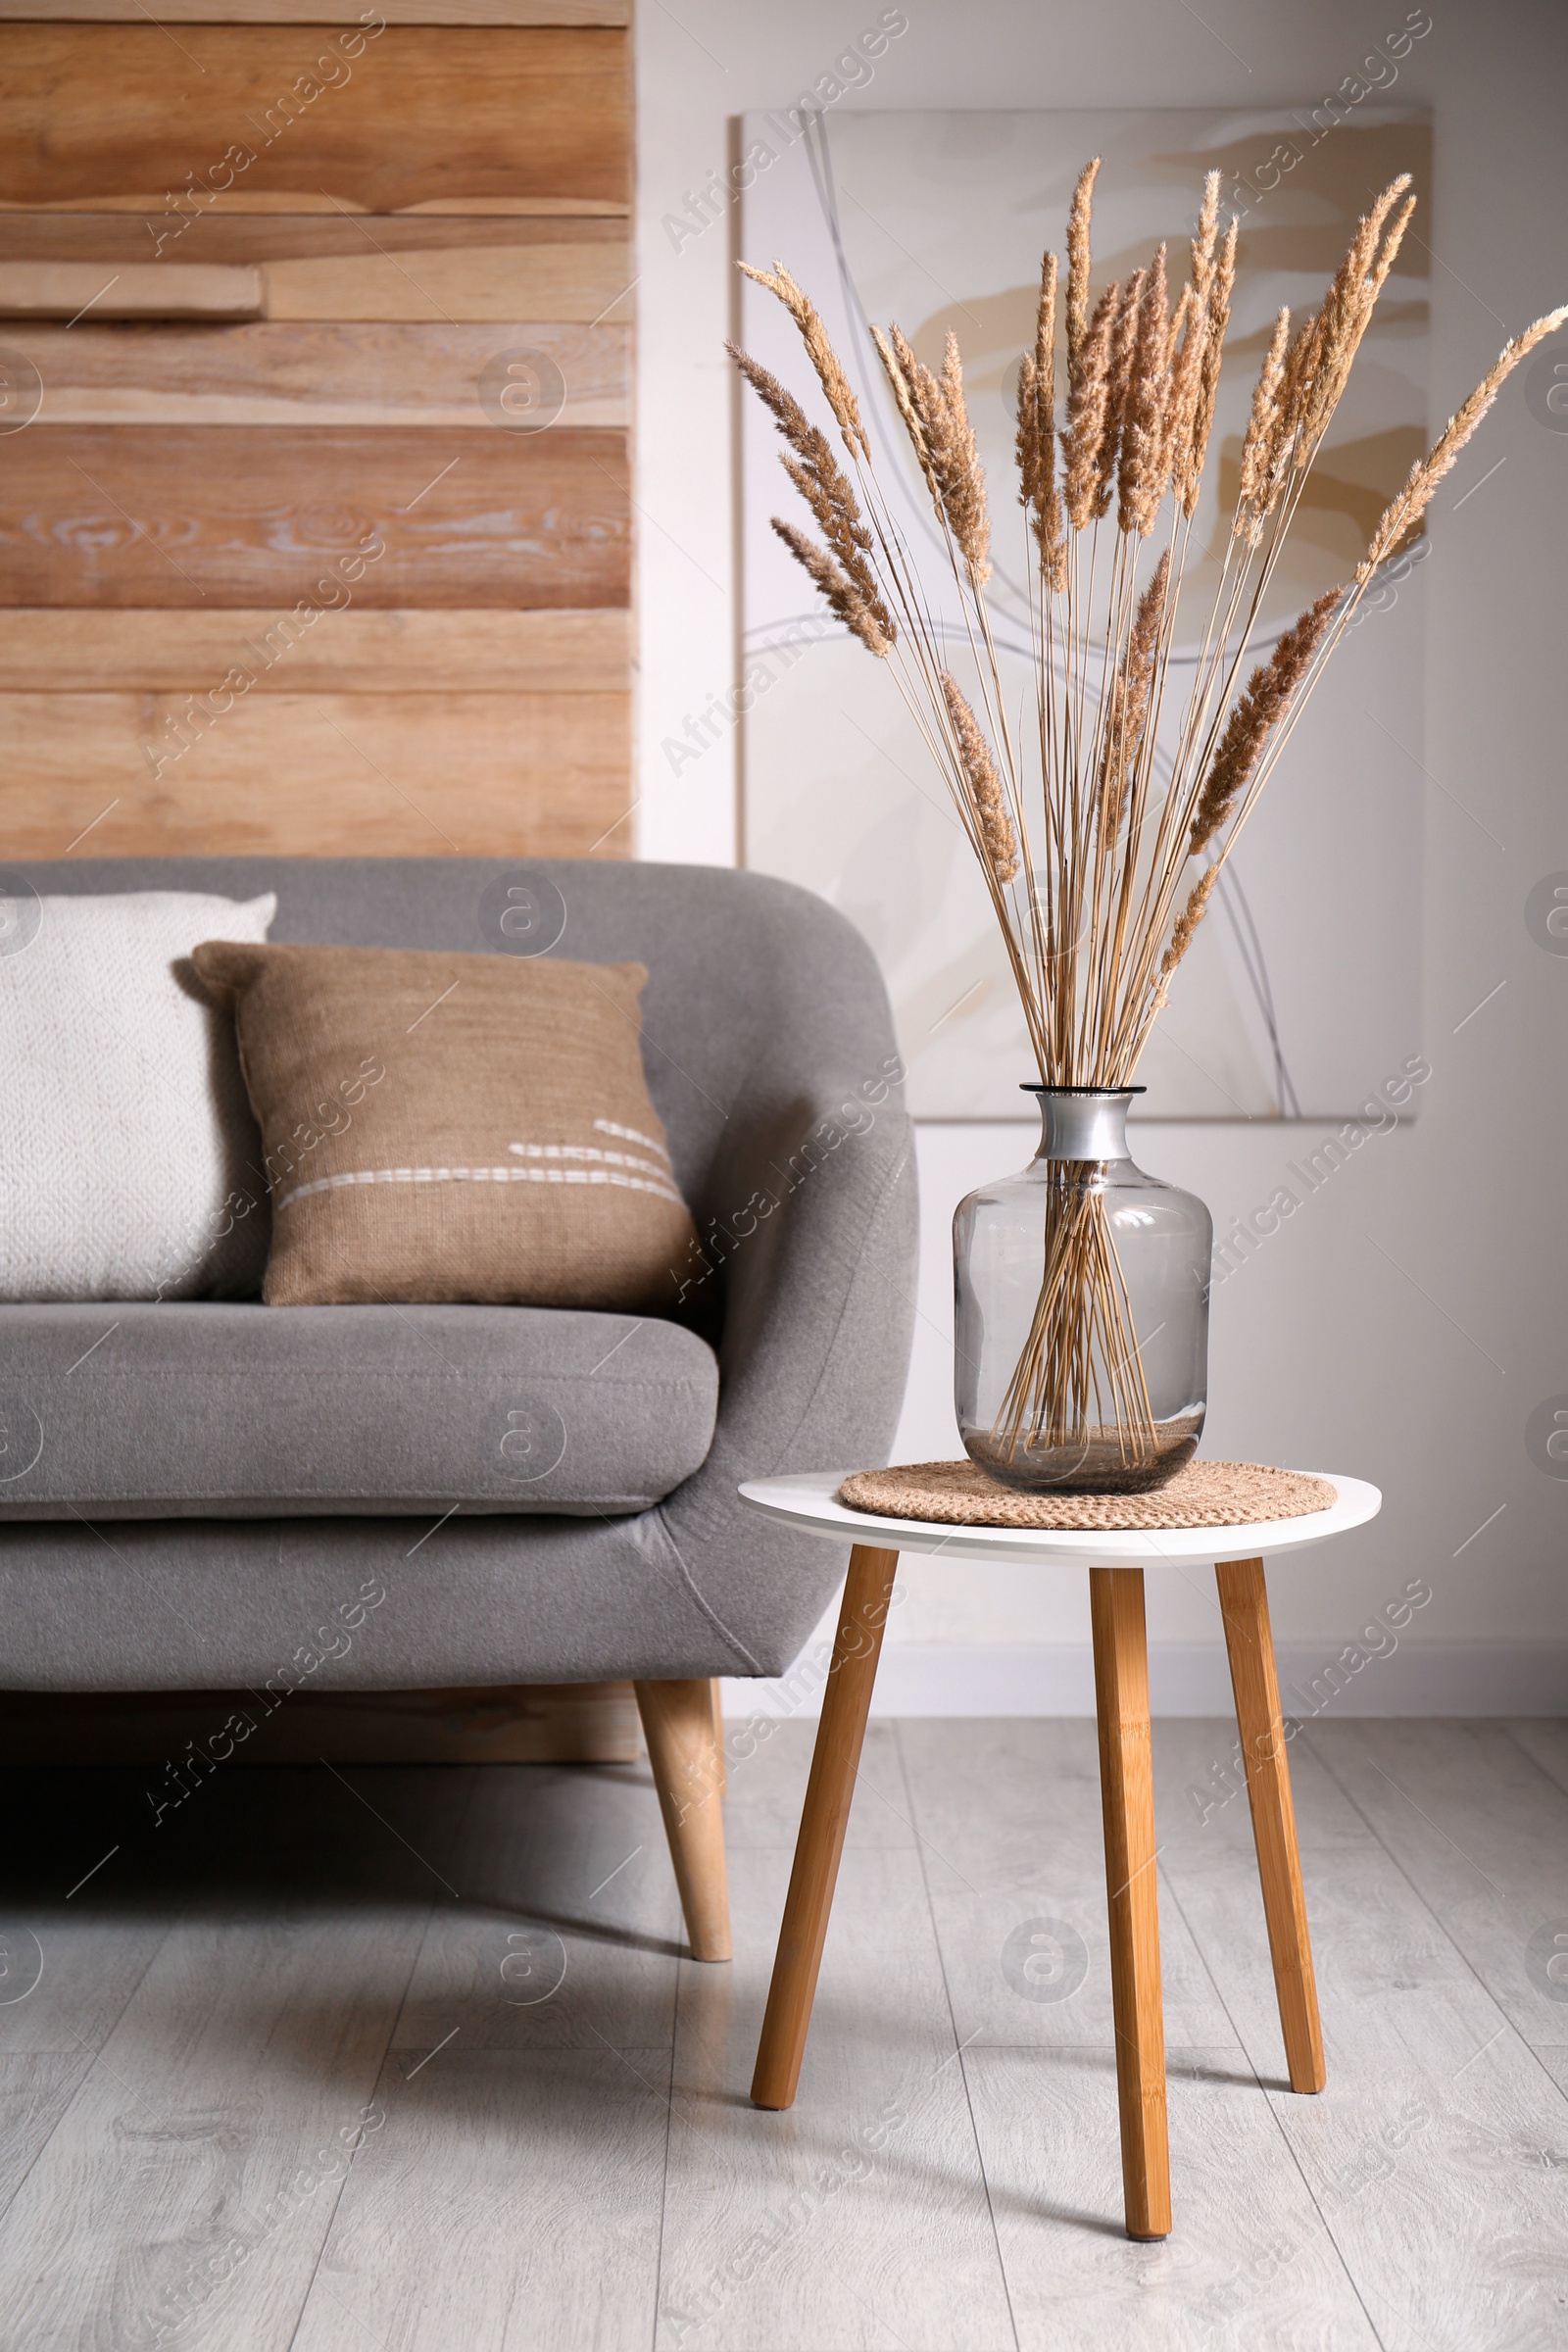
{"type": "Point", "coordinates": [1085, 855]}
{"type": "Point", "coordinates": [1080, 1371]}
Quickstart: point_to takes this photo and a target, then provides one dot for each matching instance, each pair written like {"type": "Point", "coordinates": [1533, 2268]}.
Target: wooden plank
{"type": "Point", "coordinates": [1546, 1738]}
{"type": "Point", "coordinates": [185, 2180]}
{"type": "Point", "coordinates": [332, 775]}
{"type": "Point", "coordinates": [768, 1760]}
{"type": "Point", "coordinates": [147, 515]}
{"type": "Point", "coordinates": [1256, 2264]}
{"type": "Point", "coordinates": [111, 114]}
{"type": "Point", "coordinates": [346, 265]}
{"type": "Point", "coordinates": [47, 650]}
{"type": "Point", "coordinates": [569, 1932]}
{"type": "Point", "coordinates": [67, 1967]}
{"type": "Point", "coordinates": [255, 239]}
{"type": "Point", "coordinates": [1438, 2129]}
{"type": "Point", "coordinates": [511, 2266]}
{"type": "Point", "coordinates": [377, 374]}
{"type": "Point", "coordinates": [577, 281]}
{"type": "Point", "coordinates": [1480, 1829]}
{"type": "Point", "coordinates": [860, 2218]}
{"type": "Point", "coordinates": [138, 290]}
{"type": "Point", "coordinates": [543, 1722]}
{"type": "Point", "coordinates": [1010, 1823]}
{"type": "Point", "coordinates": [325, 12]}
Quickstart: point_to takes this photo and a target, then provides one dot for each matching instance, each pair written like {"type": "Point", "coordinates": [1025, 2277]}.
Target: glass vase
{"type": "Point", "coordinates": [1081, 1296]}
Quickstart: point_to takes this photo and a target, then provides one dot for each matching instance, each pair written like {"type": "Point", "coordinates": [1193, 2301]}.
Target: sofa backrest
{"type": "Point", "coordinates": [758, 995]}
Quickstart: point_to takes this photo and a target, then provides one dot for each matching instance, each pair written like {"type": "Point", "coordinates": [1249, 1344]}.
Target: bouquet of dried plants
{"type": "Point", "coordinates": [1101, 861]}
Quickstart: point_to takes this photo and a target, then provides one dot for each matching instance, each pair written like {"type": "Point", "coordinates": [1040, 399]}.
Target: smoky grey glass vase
{"type": "Point", "coordinates": [1081, 1296]}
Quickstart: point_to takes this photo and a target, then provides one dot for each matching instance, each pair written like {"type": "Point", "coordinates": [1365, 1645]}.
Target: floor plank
{"type": "Point", "coordinates": [768, 1760]}
{"type": "Point", "coordinates": [1434, 2155]}
{"type": "Point", "coordinates": [1482, 1833]}
{"type": "Point", "coordinates": [191, 2179]}
{"type": "Point", "coordinates": [544, 2230]}
{"type": "Point", "coordinates": [1010, 1819]}
{"type": "Point", "coordinates": [1249, 2262]}
{"type": "Point", "coordinates": [568, 1934]}
{"type": "Point", "coordinates": [858, 2218]}
{"type": "Point", "coordinates": [1546, 1738]}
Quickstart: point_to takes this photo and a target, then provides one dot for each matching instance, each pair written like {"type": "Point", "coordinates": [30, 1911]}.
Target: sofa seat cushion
{"type": "Point", "coordinates": [239, 1410]}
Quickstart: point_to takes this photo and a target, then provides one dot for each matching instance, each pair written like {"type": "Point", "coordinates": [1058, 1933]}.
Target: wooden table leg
{"type": "Point", "coordinates": [1244, 1605]}
{"type": "Point", "coordinates": [829, 1793]}
{"type": "Point", "coordinates": [1127, 1797]}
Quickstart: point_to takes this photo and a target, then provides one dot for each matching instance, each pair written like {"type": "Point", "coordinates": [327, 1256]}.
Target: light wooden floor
{"type": "Point", "coordinates": [295, 1963]}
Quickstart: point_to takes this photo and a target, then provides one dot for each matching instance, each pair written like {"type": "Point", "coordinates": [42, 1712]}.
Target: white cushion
{"type": "Point", "coordinates": [127, 1141]}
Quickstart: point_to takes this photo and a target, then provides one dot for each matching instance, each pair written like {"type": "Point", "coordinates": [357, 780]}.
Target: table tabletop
{"type": "Point", "coordinates": [809, 1500]}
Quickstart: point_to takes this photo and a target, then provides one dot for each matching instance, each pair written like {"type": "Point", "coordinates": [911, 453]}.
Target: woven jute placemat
{"type": "Point", "coordinates": [1201, 1494]}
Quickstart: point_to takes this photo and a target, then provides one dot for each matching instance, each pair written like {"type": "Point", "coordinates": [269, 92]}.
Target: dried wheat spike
{"type": "Point", "coordinates": [898, 375]}
{"type": "Point", "coordinates": [1187, 354]}
{"type": "Point", "coordinates": [1078, 262]}
{"type": "Point", "coordinates": [1204, 239]}
{"type": "Point", "coordinates": [825, 487]}
{"type": "Point", "coordinates": [1345, 317]}
{"type": "Point", "coordinates": [1264, 703]}
{"type": "Point", "coordinates": [1036, 443]}
{"type": "Point", "coordinates": [1130, 699]}
{"type": "Point", "coordinates": [959, 461]}
{"type": "Point", "coordinates": [1139, 475]}
{"type": "Point", "coordinates": [1088, 398]}
{"type": "Point", "coordinates": [1259, 476]}
{"type": "Point", "coordinates": [847, 536]}
{"type": "Point", "coordinates": [992, 821]}
{"type": "Point", "coordinates": [1123, 365]}
{"type": "Point", "coordinates": [1186, 922]}
{"type": "Point", "coordinates": [824, 358]}
{"type": "Point", "coordinates": [843, 598]}
{"type": "Point", "coordinates": [953, 469]}
{"type": "Point", "coordinates": [1219, 319]}
{"type": "Point", "coordinates": [1026, 445]}
{"type": "Point", "coordinates": [1404, 511]}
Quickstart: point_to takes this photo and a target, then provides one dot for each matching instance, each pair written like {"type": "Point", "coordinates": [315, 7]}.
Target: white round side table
{"type": "Point", "coordinates": [1115, 1562]}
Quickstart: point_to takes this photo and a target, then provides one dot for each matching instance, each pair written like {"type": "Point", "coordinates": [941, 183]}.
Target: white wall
{"type": "Point", "coordinates": [1407, 1321]}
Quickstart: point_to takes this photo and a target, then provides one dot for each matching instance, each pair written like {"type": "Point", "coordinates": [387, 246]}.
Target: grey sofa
{"type": "Point", "coordinates": [538, 1497]}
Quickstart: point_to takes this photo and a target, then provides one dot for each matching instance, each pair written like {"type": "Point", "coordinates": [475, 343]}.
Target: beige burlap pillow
{"type": "Point", "coordinates": [454, 1127]}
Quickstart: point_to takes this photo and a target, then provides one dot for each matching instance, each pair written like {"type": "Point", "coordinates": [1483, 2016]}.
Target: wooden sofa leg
{"type": "Point", "coordinates": [678, 1722]}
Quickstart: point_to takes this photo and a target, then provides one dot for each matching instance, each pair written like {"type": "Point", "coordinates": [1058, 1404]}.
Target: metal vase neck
{"type": "Point", "coordinates": [1083, 1122]}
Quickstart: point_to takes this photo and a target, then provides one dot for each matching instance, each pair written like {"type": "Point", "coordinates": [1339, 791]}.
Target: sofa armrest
{"type": "Point", "coordinates": [816, 1256]}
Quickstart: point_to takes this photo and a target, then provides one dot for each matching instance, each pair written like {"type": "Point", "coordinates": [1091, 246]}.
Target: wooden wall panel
{"type": "Point", "coordinates": [325, 12]}
{"type": "Point", "coordinates": [457, 195]}
{"type": "Point", "coordinates": [537, 775]}
{"type": "Point", "coordinates": [284, 118]}
{"type": "Point", "coordinates": [348, 652]}
{"type": "Point", "coordinates": [377, 374]}
{"type": "Point", "coordinates": [264, 238]}
{"type": "Point", "coordinates": [444, 267]}
{"type": "Point", "coordinates": [457, 280]}
{"type": "Point", "coordinates": [133, 514]}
